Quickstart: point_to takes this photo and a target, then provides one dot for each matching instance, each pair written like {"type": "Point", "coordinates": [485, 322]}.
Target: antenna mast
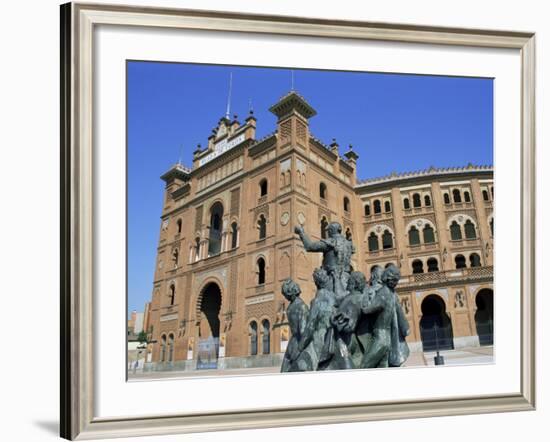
{"type": "Point", "coordinates": [228, 110]}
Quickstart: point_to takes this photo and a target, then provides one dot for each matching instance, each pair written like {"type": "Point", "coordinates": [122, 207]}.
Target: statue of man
{"type": "Point", "coordinates": [297, 314]}
{"type": "Point", "coordinates": [318, 323]}
{"type": "Point", "coordinates": [337, 251]}
{"type": "Point", "coordinates": [345, 347]}
{"type": "Point", "coordinates": [383, 316]}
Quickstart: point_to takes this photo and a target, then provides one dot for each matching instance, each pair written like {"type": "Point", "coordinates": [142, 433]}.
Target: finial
{"type": "Point", "coordinates": [181, 154]}
{"type": "Point", "coordinates": [292, 80]}
{"type": "Point", "coordinates": [350, 147]}
{"type": "Point", "coordinates": [235, 116]}
{"type": "Point", "coordinates": [250, 108]}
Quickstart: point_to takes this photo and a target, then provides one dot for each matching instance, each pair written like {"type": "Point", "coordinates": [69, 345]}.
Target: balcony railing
{"type": "Point", "coordinates": [448, 275]}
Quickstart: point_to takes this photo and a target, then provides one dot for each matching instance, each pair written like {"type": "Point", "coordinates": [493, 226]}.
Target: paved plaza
{"type": "Point", "coordinates": [465, 356]}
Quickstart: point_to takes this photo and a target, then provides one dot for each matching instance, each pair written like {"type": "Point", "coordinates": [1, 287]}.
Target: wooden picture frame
{"type": "Point", "coordinates": [78, 21]}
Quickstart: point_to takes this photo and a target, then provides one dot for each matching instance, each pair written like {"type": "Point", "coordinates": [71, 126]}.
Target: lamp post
{"type": "Point", "coordinates": [438, 359]}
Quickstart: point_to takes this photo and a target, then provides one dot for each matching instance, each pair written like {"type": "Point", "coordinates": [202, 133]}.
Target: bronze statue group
{"type": "Point", "coordinates": [350, 323]}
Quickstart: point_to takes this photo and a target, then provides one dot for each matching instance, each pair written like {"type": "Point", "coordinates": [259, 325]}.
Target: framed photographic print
{"type": "Point", "coordinates": [294, 215]}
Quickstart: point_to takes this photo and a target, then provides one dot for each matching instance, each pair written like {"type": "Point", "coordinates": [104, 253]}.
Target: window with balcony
{"type": "Point", "coordinates": [416, 200]}
{"type": "Point", "coordinates": [433, 265]}
{"type": "Point", "coordinates": [469, 230]}
{"type": "Point", "coordinates": [428, 233]}
{"type": "Point", "coordinates": [387, 240]}
{"type": "Point", "coordinates": [456, 196]}
{"type": "Point", "coordinates": [377, 206]}
{"type": "Point", "coordinates": [367, 209]}
{"type": "Point", "coordinates": [406, 204]}
{"type": "Point", "coordinates": [475, 260]}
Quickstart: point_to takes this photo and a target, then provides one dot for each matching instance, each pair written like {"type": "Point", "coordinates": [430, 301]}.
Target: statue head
{"type": "Point", "coordinates": [391, 276]}
{"type": "Point", "coordinates": [290, 290]}
{"type": "Point", "coordinates": [376, 275]}
{"type": "Point", "coordinates": [320, 277]}
{"type": "Point", "coordinates": [334, 229]}
{"type": "Point", "coordinates": [356, 282]}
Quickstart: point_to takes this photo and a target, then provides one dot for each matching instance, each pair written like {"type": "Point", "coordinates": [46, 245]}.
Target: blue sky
{"type": "Point", "coordinates": [394, 122]}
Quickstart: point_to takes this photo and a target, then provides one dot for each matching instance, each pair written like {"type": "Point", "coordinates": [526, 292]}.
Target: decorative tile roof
{"type": "Point", "coordinates": [431, 171]}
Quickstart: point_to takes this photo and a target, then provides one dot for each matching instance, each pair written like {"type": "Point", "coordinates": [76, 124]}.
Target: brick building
{"type": "Point", "coordinates": [227, 242]}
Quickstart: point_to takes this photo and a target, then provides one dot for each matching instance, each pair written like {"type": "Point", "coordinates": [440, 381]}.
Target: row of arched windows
{"type": "Point", "coordinates": [457, 196]}
{"type": "Point", "coordinates": [428, 235]}
{"type": "Point", "coordinates": [469, 230]}
{"type": "Point", "coordinates": [265, 335]}
{"type": "Point", "coordinates": [377, 207]}
{"type": "Point", "coordinates": [417, 201]}
{"type": "Point", "coordinates": [374, 241]}
{"type": "Point", "coordinates": [432, 263]}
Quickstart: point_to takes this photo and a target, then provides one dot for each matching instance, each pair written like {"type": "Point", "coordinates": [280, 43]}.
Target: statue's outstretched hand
{"type": "Point", "coordinates": [299, 230]}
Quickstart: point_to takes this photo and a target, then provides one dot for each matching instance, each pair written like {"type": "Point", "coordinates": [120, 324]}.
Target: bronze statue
{"type": "Point", "coordinates": [351, 324]}
{"type": "Point", "coordinates": [337, 251]}
{"type": "Point", "coordinates": [319, 322]}
{"type": "Point", "coordinates": [297, 314]}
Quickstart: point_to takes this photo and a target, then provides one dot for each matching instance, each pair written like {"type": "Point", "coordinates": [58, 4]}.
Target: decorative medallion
{"type": "Point", "coordinates": [165, 224]}
{"type": "Point", "coordinates": [301, 218]}
{"type": "Point", "coordinates": [285, 218]}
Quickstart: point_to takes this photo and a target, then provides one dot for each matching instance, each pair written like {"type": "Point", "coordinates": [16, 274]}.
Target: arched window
{"type": "Point", "coordinates": [485, 195]}
{"type": "Point", "coordinates": [346, 204]}
{"type": "Point", "coordinates": [427, 200]}
{"type": "Point", "coordinates": [433, 265]}
{"type": "Point", "coordinates": [348, 234]}
{"type": "Point", "coordinates": [428, 233]}
{"type": "Point", "coordinates": [323, 191]}
{"type": "Point", "coordinates": [416, 200]}
{"type": "Point", "coordinates": [262, 227]}
{"type": "Point", "coordinates": [387, 240]}
{"type": "Point", "coordinates": [172, 294]}
{"type": "Point", "coordinates": [253, 331]}
{"type": "Point", "coordinates": [178, 225]}
{"type": "Point", "coordinates": [197, 248]}
{"type": "Point", "coordinates": [460, 261]}
{"type": "Point", "coordinates": [475, 260]}
{"type": "Point", "coordinates": [170, 347]}
{"type": "Point", "coordinates": [373, 242]}
{"type": "Point", "coordinates": [377, 207]}
{"type": "Point", "coordinates": [263, 187]}
{"type": "Point", "coordinates": [215, 233]}
{"type": "Point", "coordinates": [456, 232]}
{"type": "Point", "coordinates": [367, 209]}
{"type": "Point", "coordinates": [446, 198]}
{"type": "Point", "coordinates": [260, 270]}
{"type": "Point", "coordinates": [265, 337]}
{"type": "Point", "coordinates": [469, 229]}
{"type": "Point", "coordinates": [163, 348]}
{"type": "Point", "coordinates": [324, 225]}
{"type": "Point", "coordinates": [418, 266]}
{"type": "Point", "coordinates": [414, 236]}
{"type": "Point", "coordinates": [492, 192]}
{"type": "Point", "coordinates": [234, 235]}
{"type": "Point", "coordinates": [467, 197]}
{"type": "Point", "coordinates": [492, 224]}
{"type": "Point", "coordinates": [456, 196]}
{"type": "Point", "coordinates": [406, 204]}
{"type": "Point", "coordinates": [387, 206]}
{"type": "Point", "coordinates": [176, 257]}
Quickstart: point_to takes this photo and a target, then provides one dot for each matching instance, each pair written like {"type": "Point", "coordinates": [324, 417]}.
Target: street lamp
{"type": "Point", "coordinates": [438, 359]}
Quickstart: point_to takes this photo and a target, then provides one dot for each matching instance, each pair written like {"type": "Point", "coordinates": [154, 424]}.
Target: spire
{"type": "Point", "coordinates": [228, 109]}
{"type": "Point", "coordinates": [292, 80]}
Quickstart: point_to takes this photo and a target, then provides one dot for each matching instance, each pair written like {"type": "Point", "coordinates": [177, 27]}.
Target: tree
{"type": "Point", "coordinates": [142, 337]}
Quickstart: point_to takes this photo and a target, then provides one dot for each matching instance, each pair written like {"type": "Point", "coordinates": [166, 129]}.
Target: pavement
{"type": "Point", "coordinates": [464, 356]}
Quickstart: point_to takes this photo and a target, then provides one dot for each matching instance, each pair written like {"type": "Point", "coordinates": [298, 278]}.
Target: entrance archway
{"type": "Point", "coordinates": [484, 316]}
{"type": "Point", "coordinates": [436, 330]}
{"type": "Point", "coordinates": [210, 305]}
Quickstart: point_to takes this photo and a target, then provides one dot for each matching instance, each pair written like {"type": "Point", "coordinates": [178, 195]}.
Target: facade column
{"type": "Point", "coordinates": [483, 228]}
{"type": "Point", "coordinates": [441, 226]}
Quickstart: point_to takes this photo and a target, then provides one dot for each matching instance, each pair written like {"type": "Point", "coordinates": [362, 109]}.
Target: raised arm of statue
{"type": "Point", "coordinates": [309, 245]}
